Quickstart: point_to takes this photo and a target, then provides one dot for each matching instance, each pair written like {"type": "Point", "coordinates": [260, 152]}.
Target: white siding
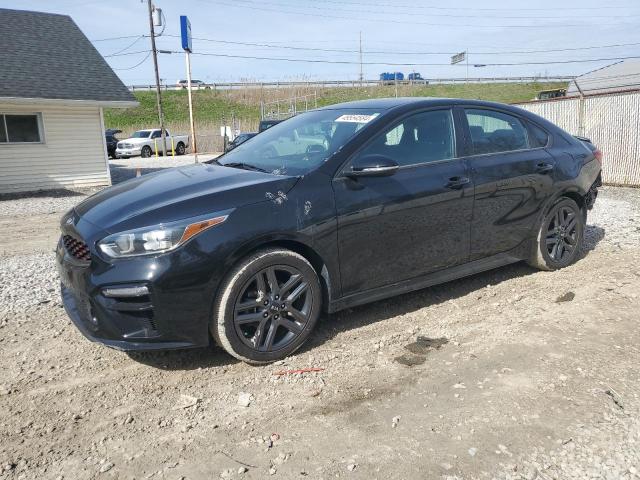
{"type": "Point", "coordinates": [71, 155]}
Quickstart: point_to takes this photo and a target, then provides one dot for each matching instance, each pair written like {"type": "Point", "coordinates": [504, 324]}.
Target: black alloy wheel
{"type": "Point", "coordinates": [267, 306]}
{"type": "Point", "coordinates": [180, 149]}
{"type": "Point", "coordinates": [145, 152]}
{"type": "Point", "coordinates": [273, 308]}
{"type": "Point", "coordinates": [562, 234]}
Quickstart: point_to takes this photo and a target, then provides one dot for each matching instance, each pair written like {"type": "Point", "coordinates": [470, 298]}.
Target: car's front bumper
{"type": "Point", "coordinates": [128, 152]}
{"type": "Point", "coordinates": [174, 314]}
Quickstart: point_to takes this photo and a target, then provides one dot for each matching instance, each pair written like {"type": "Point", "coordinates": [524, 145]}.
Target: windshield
{"type": "Point", "coordinates": [299, 144]}
{"type": "Point", "coordinates": [141, 134]}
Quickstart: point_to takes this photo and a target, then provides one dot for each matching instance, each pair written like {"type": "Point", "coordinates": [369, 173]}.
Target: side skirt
{"type": "Point", "coordinates": [428, 280]}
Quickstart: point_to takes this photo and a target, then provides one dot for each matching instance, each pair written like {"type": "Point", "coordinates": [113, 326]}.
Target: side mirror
{"type": "Point", "coordinates": [372, 166]}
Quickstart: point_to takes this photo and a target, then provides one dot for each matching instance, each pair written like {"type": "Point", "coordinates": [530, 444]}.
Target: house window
{"type": "Point", "coordinates": [20, 128]}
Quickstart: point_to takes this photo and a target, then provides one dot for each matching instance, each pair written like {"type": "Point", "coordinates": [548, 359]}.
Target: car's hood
{"type": "Point", "coordinates": [135, 140]}
{"type": "Point", "coordinates": [178, 193]}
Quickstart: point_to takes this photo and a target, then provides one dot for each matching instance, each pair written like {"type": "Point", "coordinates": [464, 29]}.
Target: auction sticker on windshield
{"type": "Point", "coordinates": [351, 118]}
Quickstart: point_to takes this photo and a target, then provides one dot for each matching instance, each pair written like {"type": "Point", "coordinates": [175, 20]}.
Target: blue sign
{"type": "Point", "coordinates": [185, 33]}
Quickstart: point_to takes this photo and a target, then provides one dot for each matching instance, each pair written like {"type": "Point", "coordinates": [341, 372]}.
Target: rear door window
{"type": "Point", "coordinates": [495, 132]}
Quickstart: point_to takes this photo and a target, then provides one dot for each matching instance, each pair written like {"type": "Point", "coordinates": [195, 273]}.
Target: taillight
{"type": "Point", "coordinates": [598, 154]}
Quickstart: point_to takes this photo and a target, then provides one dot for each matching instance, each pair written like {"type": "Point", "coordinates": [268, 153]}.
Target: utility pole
{"type": "Point", "coordinates": [154, 52]}
{"type": "Point", "coordinates": [361, 74]}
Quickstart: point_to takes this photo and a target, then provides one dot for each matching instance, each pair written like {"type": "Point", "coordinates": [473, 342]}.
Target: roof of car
{"type": "Point", "coordinates": [389, 103]}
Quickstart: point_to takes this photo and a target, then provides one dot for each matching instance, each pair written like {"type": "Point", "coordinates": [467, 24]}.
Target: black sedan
{"type": "Point", "coordinates": [329, 209]}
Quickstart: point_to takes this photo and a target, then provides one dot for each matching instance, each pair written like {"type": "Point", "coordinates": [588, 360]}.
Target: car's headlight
{"type": "Point", "coordinates": [156, 239]}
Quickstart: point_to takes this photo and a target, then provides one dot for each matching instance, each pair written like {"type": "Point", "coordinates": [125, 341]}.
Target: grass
{"type": "Point", "coordinates": [212, 106]}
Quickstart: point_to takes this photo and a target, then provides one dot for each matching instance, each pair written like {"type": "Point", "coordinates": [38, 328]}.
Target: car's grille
{"type": "Point", "coordinates": [76, 248]}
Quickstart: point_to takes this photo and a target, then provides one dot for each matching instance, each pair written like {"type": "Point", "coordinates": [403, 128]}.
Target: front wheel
{"type": "Point", "coordinates": [560, 236]}
{"type": "Point", "coordinates": [145, 152]}
{"type": "Point", "coordinates": [267, 306]}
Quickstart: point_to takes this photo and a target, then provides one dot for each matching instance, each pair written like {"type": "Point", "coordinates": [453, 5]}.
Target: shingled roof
{"type": "Point", "coordinates": [47, 56]}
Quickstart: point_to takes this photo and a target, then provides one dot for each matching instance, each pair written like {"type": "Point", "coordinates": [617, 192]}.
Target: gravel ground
{"type": "Point", "coordinates": [124, 169]}
{"type": "Point", "coordinates": [536, 377]}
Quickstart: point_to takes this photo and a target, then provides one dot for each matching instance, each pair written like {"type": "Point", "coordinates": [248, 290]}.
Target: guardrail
{"type": "Point", "coordinates": [352, 83]}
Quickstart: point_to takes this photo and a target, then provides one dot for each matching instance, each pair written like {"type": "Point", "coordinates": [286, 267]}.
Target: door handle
{"type": "Point", "coordinates": [544, 168]}
{"type": "Point", "coordinates": [457, 182]}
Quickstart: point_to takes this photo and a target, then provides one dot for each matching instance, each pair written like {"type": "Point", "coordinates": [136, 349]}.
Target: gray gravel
{"type": "Point", "coordinates": [27, 281]}
{"type": "Point", "coordinates": [43, 204]}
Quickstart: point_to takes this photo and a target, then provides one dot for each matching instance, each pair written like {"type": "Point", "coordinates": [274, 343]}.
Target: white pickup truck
{"type": "Point", "coordinates": [145, 142]}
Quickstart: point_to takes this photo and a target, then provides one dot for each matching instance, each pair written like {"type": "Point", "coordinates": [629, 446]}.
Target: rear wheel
{"type": "Point", "coordinates": [267, 306]}
{"type": "Point", "coordinates": [145, 152]}
{"type": "Point", "coordinates": [560, 236]}
{"type": "Point", "coordinates": [180, 148]}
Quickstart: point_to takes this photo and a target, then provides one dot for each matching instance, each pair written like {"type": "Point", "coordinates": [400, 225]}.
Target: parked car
{"type": "Point", "coordinates": [195, 84]}
{"type": "Point", "coordinates": [382, 197]}
{"type": "Point", "coordinates": [548, 94]}
{"type": "Point", "coordinates": [112, 141]}
{"type": "Point", "coordinates": [264, 124]}
{"type": "Point", "coordinates": [145, 142]}
{"type": "Point", "coordinates": [240, 138]}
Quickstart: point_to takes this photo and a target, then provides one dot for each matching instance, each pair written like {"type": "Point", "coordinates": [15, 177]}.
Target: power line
{"type": "Point", "coordinates": [430, 14]}
{"type": "Point", "coordinates": [113, 38]}
{"type": "Point", "coordinates": [380, 52]}
{"type": "Point", "coordinates": [402, 64]}
{"type": "Point", "coordinates": [127, 47]}
{"type": "Point", "coordinates": [137, 64]}
{"type": "Point", "coordinates": [125, 53]}
{"type": "Point", "coordinates": [250, 4]}
{"type": "Point", "coordinates": [430, 7]}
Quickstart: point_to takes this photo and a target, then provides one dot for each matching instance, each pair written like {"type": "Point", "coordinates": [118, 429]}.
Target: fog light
{"type": "Point", "coordinates": [138, 291]}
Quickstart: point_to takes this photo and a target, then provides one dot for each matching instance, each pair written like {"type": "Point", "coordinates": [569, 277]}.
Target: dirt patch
{"type": "Point", "coordinates": [519, 391]}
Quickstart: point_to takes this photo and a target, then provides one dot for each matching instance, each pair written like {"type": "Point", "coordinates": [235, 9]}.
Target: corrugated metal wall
{"type": "Point", "coordinates": [611, 121]}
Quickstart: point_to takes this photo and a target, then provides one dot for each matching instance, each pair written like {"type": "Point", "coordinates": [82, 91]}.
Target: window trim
{"type": "Point", "coordinates": [523, 119]}
{"type": "Point", "coordinates": [340, 172]}
{"type": "Point", "coordinates": [40, 122]}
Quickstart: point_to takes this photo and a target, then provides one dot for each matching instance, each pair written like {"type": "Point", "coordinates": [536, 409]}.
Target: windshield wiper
{"type": "Point", "coordinates": [244, 166]}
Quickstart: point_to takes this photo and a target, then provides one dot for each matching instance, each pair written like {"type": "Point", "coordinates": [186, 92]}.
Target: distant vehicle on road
{"type": "Point", "coordinates": [241, 138]}
{"type": "Point", "coordinates": [196, 84]}
{"type": "Point", "coordinates": [144, 143]}
{"type": "Point", "coordinates": [555, 93]}
{"type": "Point", "coordinates": [330, 209]}
{"type": "Point", "coordinates": [112, 141]}
{"type": "Point", "coordinates": [391, 77]}
{"type": "Point", "coordinates": [413, 76]}
{"type": "Point", "coordinates": [264, 124]}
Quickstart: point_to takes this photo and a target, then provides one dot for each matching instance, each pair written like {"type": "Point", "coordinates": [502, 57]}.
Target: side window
{"type": "Point", "coordinates": [538, 138]}
{"type": "Point", "coordinates": [421, 138]}
{"type": "Point", "coordinates": [156, 134]}
{"type": "Point", "coordinates": [494, 132]}
{"type": "Point", "coordinates": [20, 128]}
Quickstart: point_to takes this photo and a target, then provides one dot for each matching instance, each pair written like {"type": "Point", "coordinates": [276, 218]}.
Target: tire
{"type": "Point", "coordinates": [180, 148]}
{"type": "Point", "coordinates": [560, 236]}
{"type": "Point", "coordinates": [145, 152]}
{"type": "Point", "coordinates": [251, 321]}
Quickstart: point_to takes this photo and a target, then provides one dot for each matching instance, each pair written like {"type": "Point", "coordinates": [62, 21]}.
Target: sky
{"type": "Point", "coordinates": [417, 35]}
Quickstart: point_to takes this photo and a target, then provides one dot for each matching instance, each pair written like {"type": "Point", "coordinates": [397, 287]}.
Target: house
{"type": "Point", "coordinates": [54, 86]}
{"type": "Point", "coordinates": [617, 77]}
